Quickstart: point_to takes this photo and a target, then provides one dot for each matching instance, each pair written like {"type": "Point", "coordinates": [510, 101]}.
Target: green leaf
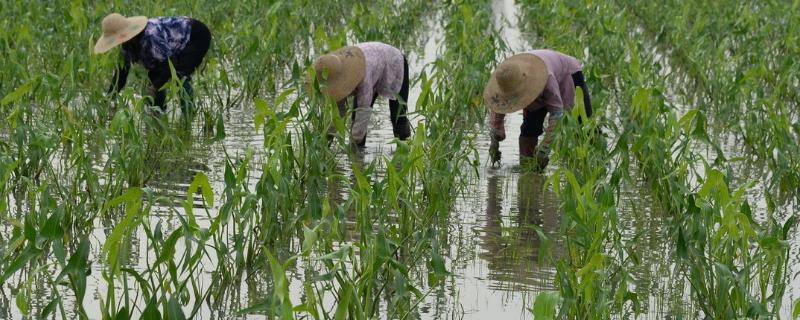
{"type": "Point", "coordinates": [168, 249]}
{"type": "Point", "coordinates": [757, 310]}
{"type": "Point", "coordinates": [336, 255]}
{"type": "Point", "coordinates": [309, 238]}
{"type": "Point", "coordinates": [30, 252]}
{"type": "Point", "coordinates": [131, 195]}
{"type": "Point", "coordinates": [796, 311]}
{"type": "Point", "coordinates": [230, 177]}
{"type": "Point", "coordinates": [262, 112]}
{"type": "Point", "coordinates": [174, 310]}
{"type": "Point", "coordinates": [281, 286]}
{"type": "Point", "coordinates": [400, 284]}
{"type": "Point", "coordinates": [687, 118]}
{"type": "Point", "coordinates": [142, 282]}
{"type": "Point", "coordinates": [256, 308]}
{"type": "Point", "coordinates": [17, 93]}
{"type": "Point", "coordinates": [344, 301]}
{"type": "Point", "coordinates": [273, 8]}
{"type": "Point", "coordinates": [50, 307]}
{"type": "Point", "coordinates": [111, 247]}
{"type": "Point", "coordinates": [30, 228]}
{"type": "Point", "coordinates": [78, 261]}
{"type": "Point", "coordinates": [201, 182]}
{"type": "Point", "coordinates": [52, 227]}
{"type": "Point", "coordinates": [123, 314]}
{"type": "Point", "coordinates": [22, 301]}
{"type": "Point", "coordinates": [544, 307]}
{"type": "Point", "coordinates": [714, 180]}
{"type": "Point", "coordinates": [437, 262]}
{"type": "Point", "coordinates": [220, 129]}
{"type": "Point", "coordinates": [151, 311]}
{"type": "Point", "coordinates": [282, 97]}
{"type": "Point", "coordinates": [596, 262]}
{"type": "Point", "coordinates": [788, 225]}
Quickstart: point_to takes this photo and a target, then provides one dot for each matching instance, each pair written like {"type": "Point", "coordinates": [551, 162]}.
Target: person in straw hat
{"type": "Point", "coordinates": [366, 71]}
{"type": "Point", "coordinates": [538, 82]}
{"type": "Point", "coordinates": [154, 43]}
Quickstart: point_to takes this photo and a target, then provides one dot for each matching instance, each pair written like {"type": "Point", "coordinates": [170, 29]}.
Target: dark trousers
{"type": "Point", "coordinates": [533, 121]}
{"type": "Point", "coordinates": [185, 63]}
{"type": "Point", "coordinates": [397, 108]}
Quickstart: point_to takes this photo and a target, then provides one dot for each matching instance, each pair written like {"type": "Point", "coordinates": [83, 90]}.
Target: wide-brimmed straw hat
{"type": "Point", "coordinates": [344, 67]}
{"type": "Point", "coordinates": [515, 83]}
{"type": "Point", "coordinates": [118, 29]}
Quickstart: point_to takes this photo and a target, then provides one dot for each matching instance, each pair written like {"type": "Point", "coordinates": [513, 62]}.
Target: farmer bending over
{"type": "Point", "coordinates": [153, 43]}
{"type": "Point", "coordinates": [537, 82]}
{"type": "Point", "coordinates": [365, 71]}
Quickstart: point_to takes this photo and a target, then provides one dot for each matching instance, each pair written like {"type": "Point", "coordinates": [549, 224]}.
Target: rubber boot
{"type": "Point", "coordinates": [527, 148]}
{"type": "Point", "coordinates": [401, 129]}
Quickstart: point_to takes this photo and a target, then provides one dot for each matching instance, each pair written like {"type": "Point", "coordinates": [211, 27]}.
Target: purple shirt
{"type": "Point", "coordinates": [558, 94]}
{"type": "Point", "coordinates": [383, 76]}
{"type": "Point", "coordinates": [162, 38]}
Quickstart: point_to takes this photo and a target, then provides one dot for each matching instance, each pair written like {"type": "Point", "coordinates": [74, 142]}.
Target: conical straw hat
{"type": "Point", "coordinates": [515, 83]}
{"type": "Point", "coordinates": [344, 68]}
{"type": "Point", "coordinates": [118, 29]}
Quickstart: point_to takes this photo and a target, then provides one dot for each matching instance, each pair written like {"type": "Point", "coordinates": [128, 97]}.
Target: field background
{"type": "Point", "coordinates": [685, 208]}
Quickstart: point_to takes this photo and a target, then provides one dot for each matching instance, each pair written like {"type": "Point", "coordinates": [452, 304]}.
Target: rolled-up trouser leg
{"type": "Point", "coordinates": [532, 122]}
{"type": "Point", "coordinates": [399, 107]}
{"type": "Point", "coordinates": [532, 127]}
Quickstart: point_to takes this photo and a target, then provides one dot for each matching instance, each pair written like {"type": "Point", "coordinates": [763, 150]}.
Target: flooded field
{"type": "Point", "coordinates": [685, 207]}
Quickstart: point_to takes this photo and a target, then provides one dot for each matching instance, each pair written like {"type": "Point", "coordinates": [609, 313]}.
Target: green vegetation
{"type": "Point", "coordinates": [687, 206]}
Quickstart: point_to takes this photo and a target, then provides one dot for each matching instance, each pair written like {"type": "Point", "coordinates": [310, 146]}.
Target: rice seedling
{"type": "Point", "coordinates": [662, 145]}
{"type": "Point", "coordinates": [248, 209]}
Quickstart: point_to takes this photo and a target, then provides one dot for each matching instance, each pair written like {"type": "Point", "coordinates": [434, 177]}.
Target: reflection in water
{"type": "Point", "coordinates": [510, 239]}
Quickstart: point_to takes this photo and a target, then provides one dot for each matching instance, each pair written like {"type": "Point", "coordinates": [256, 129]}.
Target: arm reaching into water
{"type": "Point", "coordinates": [497, 127]}
{"type": "Point", "coordinates": [497, 130]}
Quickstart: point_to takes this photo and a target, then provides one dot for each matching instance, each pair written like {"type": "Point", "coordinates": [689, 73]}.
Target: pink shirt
{"type": "Point", "coordinates": [559, 91]}
{"type": "Point", "coordinates": [383, 75]}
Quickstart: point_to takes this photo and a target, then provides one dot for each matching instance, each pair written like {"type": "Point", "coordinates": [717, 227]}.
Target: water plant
{"type": "Point", "coordinates": [251, 210]}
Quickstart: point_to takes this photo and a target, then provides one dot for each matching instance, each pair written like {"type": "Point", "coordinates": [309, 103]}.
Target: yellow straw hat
{"type": "Point", "coordinates": [345, 69]}
{"type": "Point", "coordinates": [118, 29]}
{"type": "Point", "coordinates": [515, 83]}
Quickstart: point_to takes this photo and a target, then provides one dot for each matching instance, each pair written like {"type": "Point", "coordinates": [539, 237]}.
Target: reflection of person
{"type": "Point", "coordinates": [366, 71]}
{"type": "Point", "coordinates": [154, 43]}
{"type": "Point", "coordinates": [512, 249]}
{"type": "Point", "coordinates": [538, 82]}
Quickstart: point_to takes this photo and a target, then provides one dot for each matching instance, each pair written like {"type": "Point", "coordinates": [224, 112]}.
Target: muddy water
{"type": "Point", "coordinates": [494, 248]}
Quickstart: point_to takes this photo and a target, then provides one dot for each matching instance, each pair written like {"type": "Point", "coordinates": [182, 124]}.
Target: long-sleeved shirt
{"type": "Point", "coordinates": [162, 38]}
{"type": "Point", "coordinates": [383, 76]}
{"type": "Point", "coordinates": [558, 94]}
